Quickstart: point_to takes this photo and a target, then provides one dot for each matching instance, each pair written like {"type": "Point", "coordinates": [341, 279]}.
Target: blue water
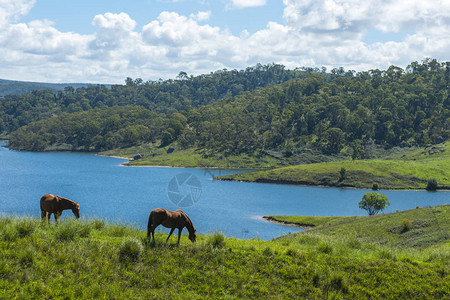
{"type": "Point", "coordinates": [109, 191]}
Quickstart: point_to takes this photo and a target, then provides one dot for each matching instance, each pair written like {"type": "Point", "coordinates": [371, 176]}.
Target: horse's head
{"type": "Point", "coordinates": [192, 235]}
{"type": "Point", "coordinates": [76, 210]}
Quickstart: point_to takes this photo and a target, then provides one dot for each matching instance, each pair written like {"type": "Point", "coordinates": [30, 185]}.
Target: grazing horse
{"type": "Point", "coordinates": [170, 219]}
{"type": "Point", "coordinates": [55, 205]}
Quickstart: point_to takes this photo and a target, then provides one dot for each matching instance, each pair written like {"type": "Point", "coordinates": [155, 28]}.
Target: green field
{"type": "Point", "coordinates": [197, 158]}
{"type": "Point", "coordinates": [348, 260]}
{"type": "Point", "coordinates": [411, 170]}
{"type": "Point", "coordinates": [428, 227]}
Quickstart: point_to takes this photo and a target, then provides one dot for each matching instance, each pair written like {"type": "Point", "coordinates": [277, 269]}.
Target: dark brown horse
{"type": "Point", "coordinates": [55, 205]}
{"type": "Point", "coordinates": [170, 219]}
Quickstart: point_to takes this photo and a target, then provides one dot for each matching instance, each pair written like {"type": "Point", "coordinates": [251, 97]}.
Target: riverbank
{"type": "Point", "coordinates": [410, 171]}
{"type": "Point", "coordinates": [96, 259]}
{"type": "Point", "coordinates": [307, 222]}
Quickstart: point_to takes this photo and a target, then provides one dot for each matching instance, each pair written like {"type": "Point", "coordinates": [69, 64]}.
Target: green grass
{"type": "Point", "coordinates": [310, 221]}
{"type": "Point", "coordinates": [414, 230]}
{"type": "Point", "coordinates": [95, 259]}
{"type": "Point", "coordinates": [189, 158]}
{"type": "Point", "coordinates": [201, 158]}
{"type": "Point", "coordinates": [407, 171]}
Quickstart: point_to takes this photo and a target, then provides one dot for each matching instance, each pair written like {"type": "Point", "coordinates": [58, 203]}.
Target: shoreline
{"type": "Point", "coordinates": [290, 224]}
{"type": "Point", "coordinates": [282, 182]}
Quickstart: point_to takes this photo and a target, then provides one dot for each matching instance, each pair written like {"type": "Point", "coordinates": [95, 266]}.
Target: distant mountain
{"type": "Point", "coordinates": [12, 87]}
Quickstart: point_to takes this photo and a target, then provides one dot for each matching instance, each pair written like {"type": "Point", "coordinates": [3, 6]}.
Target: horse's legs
{"type": "Point", "coordinates": [57, 214]}
{"type": "Point", "coordinates": [171, 231]}
{"type": "Point", "coordinates": [43, 215]}
{"type": "Point", "coordinates": [179, 234]}
{"type": "Point", "coordinates": [48, 217]}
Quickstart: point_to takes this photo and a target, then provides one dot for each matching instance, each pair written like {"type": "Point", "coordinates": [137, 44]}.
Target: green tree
{"type": "Point", "coordinates": [332, 140]}
{"type": "Point", "coordinates": [374, 203]}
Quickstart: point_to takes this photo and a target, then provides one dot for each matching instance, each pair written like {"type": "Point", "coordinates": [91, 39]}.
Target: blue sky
{"type": "Point", "coordinates": [77, 16]}
{"type": "Point", "coordinates": [107, 41]}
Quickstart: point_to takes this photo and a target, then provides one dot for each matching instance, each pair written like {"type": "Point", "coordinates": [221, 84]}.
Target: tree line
{"type": "Point", "coordinates": [251, 111]}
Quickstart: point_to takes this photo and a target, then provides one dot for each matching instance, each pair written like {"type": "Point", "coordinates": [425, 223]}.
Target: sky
{"type": "Point", "coordinates": [105, 41]}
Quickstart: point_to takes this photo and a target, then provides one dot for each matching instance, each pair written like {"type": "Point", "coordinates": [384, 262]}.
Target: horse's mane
{"type": "Point", "coordinates": [188, 220]}
{"type": "Point", "coordinates": [68, 200]}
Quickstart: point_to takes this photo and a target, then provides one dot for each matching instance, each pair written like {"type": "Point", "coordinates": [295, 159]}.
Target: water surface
{"type": "Point", "coordinates": [107, 190]}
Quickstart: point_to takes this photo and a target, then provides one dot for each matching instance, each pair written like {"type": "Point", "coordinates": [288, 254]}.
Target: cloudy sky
{"type": "Point", "coordinates": [105, 41]}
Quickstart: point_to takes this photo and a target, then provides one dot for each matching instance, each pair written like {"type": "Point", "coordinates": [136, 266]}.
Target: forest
{"type": "Point", "coordinates": [266, 107]}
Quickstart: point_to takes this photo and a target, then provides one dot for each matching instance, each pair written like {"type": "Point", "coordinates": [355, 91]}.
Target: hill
{"type": "Point", "coordinates": [256, 113]}
{"type": "Point", "coordinates": [94, 259]}
{"type": "Point", "coordinates": [421, 228]}
{"type": "Point", "coordinates": [411, 170]}
{"type": "Point", "coordinates": [12, 87]}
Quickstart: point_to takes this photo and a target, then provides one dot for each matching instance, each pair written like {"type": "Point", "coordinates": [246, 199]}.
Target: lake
{"type": "Point", "coordinates": [109, 191]}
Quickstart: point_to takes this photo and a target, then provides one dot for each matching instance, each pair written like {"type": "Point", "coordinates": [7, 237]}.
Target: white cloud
{"type": "Point", "coordinates": [201, 16]}
{"type": "Point", "coordinates": [316, 33]}
{"type": "Point", "coordinates": [247, 3]}
{"type": "Point", "coordinates": [11, 10]}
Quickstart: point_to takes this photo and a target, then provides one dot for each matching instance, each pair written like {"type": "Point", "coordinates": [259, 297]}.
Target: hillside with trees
{"type": "Point", "coordinates": [251, 112]}
{"type": "Point", "coordinates": [13, 87]}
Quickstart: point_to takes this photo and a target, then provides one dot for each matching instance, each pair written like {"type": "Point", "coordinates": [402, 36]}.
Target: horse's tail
{"type": "Point", "coordinates": [149, 225]}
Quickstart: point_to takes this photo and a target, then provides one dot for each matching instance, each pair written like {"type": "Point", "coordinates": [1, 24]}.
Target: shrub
{"type": "Point", "coordinates": [216, 240]}
{"type": "Point", "coordinates": [406, 225]}
{"type": "Point", "coordinates": [130, 250]}
{"type": "Point", "coordinates": [375, 187]}
{"type": "Point", "coordinates": [432, 185]}
{"type": "Point", "coordinates": [342, 174]}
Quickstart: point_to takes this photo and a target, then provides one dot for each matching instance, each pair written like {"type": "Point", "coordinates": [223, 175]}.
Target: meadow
{"type": "Point", "coordinates": [410, 170]}
{"type": "Point", "coordinates": [97, 259]}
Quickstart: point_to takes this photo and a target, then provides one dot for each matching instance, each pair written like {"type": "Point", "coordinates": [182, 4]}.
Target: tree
{"type": "Point", "coordinates": [332, 140]}
{"type": "Point", "coordinates": [374, 203]}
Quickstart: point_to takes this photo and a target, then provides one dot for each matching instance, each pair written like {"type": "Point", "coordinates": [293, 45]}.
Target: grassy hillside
{"type": "Point", "coordinates": [93, 259]}
{"type": "Point", "coordinates": [420, 228]}
{"type": "Point", "coordinates": [402, 171]}
{"type": "Point", "coordinates": [153, 155]}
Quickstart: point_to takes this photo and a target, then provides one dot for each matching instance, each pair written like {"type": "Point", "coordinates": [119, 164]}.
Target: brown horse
{"type": "Point", "coordinates": [55, 205]}
{"type": "Point", "coordinates": [170, 219]}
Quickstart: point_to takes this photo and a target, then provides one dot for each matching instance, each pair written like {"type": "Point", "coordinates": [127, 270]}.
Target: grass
{"type": "Point", "coordinates": [95, 259]}
{"type": "Point", "coordinates": [411, 230]}
{"type": "Point", "coordinates": [197, 158]}
{"type": "Point", "coordinates": [406, 171]}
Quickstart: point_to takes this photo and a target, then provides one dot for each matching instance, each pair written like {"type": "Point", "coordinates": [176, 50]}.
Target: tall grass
{"type": "Point", "coordinates": [92, 259]}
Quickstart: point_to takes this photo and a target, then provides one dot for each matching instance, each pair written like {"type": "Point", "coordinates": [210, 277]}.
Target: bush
{"type": "Point", "coordinates": [130, 250]}
{"type": "Point", "coordinates": [432, 185]}
{"type": "Point", "coordinates": [375, 187]}
{"type": "Point", "coordinates": [216, 240]}
{"type": "Point", "coordinates": [406, 225]}
{"type": "Point", "coordinates": [342, 174]}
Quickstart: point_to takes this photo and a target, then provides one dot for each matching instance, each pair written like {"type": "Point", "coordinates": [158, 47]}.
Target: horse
{"type": "Point", "coordinates": [55, 205]}
{"type": "Point", "coordinates": [170, 219]}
